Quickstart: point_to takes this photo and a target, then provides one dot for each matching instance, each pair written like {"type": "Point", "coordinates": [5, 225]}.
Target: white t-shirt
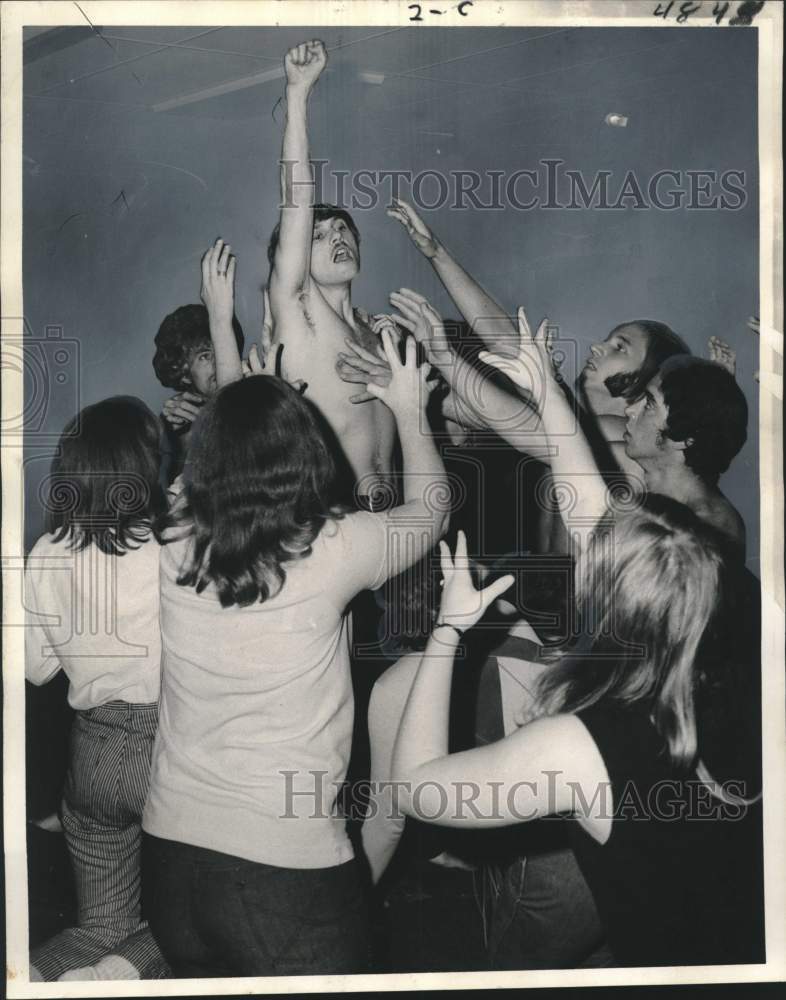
{"type": "Point", "coordinates": [256, 699]}
{"type": "Point", "coordinates": [94, 616]}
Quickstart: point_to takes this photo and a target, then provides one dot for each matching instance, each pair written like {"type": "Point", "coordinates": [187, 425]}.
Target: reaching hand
{"type": "Point", "coordinates": [218, 279]}
{"type": "Point", "coordinates": [722, 354]}
{"type": "Point", "coordinates": [420, 318]}
{"type": "Point", "coordinates": [363, 366]}
{"type": "Point", "coordinates": [416, 228]}
{"type": "Point", "coordinates": [304, 63]}
{"type": "Point", "coordinates": [182, 409]}
{"type": "Point", "coordinates": [407, 392]}
{"type": "Point", "coordinates": [462, 605]}
{"type": "Point", "coordinates": [382, 321]}
{"type": "Point", "coordinates": [532, 363]}
{"type": "Point", "coordinates": [255, 365]}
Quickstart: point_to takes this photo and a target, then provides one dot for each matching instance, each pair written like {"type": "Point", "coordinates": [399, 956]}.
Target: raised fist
{"type": "Point", "coordinates": [304, 63]}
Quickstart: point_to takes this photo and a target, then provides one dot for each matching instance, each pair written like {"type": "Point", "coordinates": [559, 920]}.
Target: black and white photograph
{"type": "Point", "coordinates": [392, 495]}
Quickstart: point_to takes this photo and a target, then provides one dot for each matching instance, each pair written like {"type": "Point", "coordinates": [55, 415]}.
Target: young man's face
{"type": "Point", "coordinates": [621, 353]}
{"type": "Point", "coordinates": [334, 252]}
{"type": "Point", "coordinates": [645, 430]}
{"type": "Point", "coordinates": [201, 373]}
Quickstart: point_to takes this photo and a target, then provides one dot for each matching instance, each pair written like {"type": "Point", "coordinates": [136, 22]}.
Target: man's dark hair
{"type": "Point", "coordinates": [662, 343]}
{"type": "Point", "coordinates": [707, 406]}
{"type": "Point", "coordinates": [184, 333]}
{"type": "Point", "coordinates": [104, 485]}
{"type": "Point", "coordinates": [322, 212]}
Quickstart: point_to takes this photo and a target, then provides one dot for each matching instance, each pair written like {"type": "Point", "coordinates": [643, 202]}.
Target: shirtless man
{"type": "Point", "coordinates": [684, 431]}
{"type": "Point", "coordinates": [315, 256]}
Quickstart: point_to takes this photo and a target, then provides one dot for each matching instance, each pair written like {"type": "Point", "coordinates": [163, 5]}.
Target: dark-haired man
{"type": "Point", "coordinates": [315, 256]}
{"type": "Point", "coordinates": [185, 361]}
{"type": "Point", "coordinates": [684, 430]}
{"type": "Point", "coordinates": [184, 351]}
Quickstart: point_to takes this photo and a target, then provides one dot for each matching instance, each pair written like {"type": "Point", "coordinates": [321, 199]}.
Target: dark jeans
{"type": "Point", "coordinates": [545, 917]}
{"type": "Point", "coordinates": [217, 915]}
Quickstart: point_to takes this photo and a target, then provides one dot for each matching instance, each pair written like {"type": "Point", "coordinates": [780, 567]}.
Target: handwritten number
{"type": "Point", "coordinates": [462, 8]}
{"type": "Point", "coordinates": [660, 11]}
{"type": "Point", "coordinates": [719, 11]}
{"type": "Point", "coordinates": [686, 9]}
{"type": "Point", "coordinates": [746, 12]}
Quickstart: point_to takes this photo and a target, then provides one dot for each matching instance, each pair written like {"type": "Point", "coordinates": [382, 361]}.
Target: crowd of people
{"type": "Point", "coordinates": [251, 545]}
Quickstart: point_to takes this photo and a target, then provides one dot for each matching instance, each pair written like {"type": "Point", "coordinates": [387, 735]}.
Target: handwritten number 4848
{"type": "Point", "coordinates": [746, 11]}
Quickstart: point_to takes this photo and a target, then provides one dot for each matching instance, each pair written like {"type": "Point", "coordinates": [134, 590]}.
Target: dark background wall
{"type": "Point", "coordinates": [120, 200]}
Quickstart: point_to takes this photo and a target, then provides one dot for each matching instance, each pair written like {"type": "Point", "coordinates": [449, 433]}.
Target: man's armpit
{"type": "Point", "coordinates": [304, 304]}
{"type": "Point", "coordinates": [291, 313]}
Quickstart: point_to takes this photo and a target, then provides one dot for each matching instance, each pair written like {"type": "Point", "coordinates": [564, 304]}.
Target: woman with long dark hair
{"type": "Point", "coordinates": [92, 582]}
{"type": "Point", "coordinates": [249, 870]}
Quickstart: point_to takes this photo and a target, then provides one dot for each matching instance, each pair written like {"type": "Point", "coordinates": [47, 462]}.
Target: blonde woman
{"type": "Point", "coordinates": [627, 735]}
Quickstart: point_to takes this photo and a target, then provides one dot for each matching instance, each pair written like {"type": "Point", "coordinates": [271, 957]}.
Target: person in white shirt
{"type": "Point", "coordinates": [91, 591]}
{"type": "Point", "coordinates": [248, 867]}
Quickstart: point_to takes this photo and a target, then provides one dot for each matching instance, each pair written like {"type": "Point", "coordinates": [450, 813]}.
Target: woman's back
{"type": "Point", "coordinates": [98, 620]}
{"type": "Point", "coordinates": [679, 880]}
{"type": "Point", "coordinates": [257, 710]}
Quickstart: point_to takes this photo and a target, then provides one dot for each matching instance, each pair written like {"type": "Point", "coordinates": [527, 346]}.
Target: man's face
{"type": "Point", "coordinates": [621, 353]}
{"type": "Point", "coordinates": [201, 375]}
{"type": "Point", "coordinates": [645, 430]}
{"type": "Point", "coordinates": [334, 253]}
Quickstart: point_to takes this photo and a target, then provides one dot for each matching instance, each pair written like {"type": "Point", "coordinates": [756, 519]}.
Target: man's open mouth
{"type": "Point", "coordinates": [341, 254]}
{"type": "Point", "coordinates": [590, 365]}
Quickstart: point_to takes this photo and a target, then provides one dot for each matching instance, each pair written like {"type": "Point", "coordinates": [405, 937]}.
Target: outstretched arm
{"type": "Point", "coordinates": [218, 294]}
{"type": "Point", "coordinates": [482, 787]}
{"type": "Point", "coordinates": [513, 418]}
{"type": "Point", "coordinates": [572, 461]}
{"type": "Point", "coordinates": [291, 266]}
{"type": "Point", "coordinates": [486, 317]}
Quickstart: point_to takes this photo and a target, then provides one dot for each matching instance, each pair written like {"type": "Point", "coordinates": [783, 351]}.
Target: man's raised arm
{"type": "Point", "coordinates": [291, 263]}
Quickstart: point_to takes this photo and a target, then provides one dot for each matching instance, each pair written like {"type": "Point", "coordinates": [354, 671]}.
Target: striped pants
{"type": "Point", "coordinates": [101, 813]}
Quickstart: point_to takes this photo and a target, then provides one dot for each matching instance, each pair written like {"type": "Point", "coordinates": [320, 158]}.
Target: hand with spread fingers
{"type": "Point", "coordinates": [407, 392]}
{"type": "Point", "coordinates": [532, 362]}
{"type": "Point", "coordinates": [359, 365]}
{"type": "Point", "coordinates": [462, 604]}
{"type": "Point", "coordinates": [416, 228]}
{"type": "Point", "coordinates": [416, 314]}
